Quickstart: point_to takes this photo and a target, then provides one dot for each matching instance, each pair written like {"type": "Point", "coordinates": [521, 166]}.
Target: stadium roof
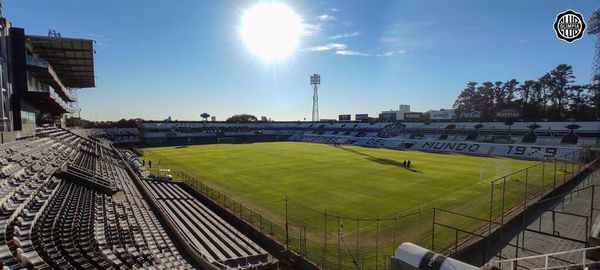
{"type": "Point", "coordinates": [71, 58]}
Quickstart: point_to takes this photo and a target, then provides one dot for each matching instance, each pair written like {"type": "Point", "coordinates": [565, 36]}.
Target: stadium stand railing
{"type": "Point", "coordinates": [548, 261]}
{"type": "Point", "coordinates": [475, 238]}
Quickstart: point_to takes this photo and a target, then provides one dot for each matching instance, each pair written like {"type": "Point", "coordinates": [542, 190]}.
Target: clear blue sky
{"type": "Point", "coordinates": [182, 58]}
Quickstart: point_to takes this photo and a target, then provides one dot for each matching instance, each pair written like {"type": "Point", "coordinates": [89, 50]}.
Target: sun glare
{"type": "Point", "coordinates": [271, 30]}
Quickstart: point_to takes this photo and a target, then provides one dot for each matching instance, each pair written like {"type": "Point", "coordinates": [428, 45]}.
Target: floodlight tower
{"type": "Point", "coordinates": [315, 81]}
{"type": "Point", "coordinates": [594, 29]}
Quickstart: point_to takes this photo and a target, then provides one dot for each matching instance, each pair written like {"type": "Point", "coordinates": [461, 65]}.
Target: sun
{"type": "Point", "coordinates": [271, 30]}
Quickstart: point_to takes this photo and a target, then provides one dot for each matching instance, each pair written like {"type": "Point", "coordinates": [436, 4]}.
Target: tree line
{"type": "Point", "coordinates": [242, 118]}
{"type": "Point", "coordinates": [135, 123]}
{"type": "Point", "coordinates": [83, 123]}
{"type": "Point", "coordinates": [552, 96]}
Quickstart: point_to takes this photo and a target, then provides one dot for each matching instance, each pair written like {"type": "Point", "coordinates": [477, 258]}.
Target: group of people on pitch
{"type": "Point", "coordinates": [406, 164]}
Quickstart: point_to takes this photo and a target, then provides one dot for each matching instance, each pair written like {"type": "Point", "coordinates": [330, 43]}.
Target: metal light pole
{"type": "Point", "coordinates": [315, 82]}
{"type": "Point", "coordinates": [594, 29]}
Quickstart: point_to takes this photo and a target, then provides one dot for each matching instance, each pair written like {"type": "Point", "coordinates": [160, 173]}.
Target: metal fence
{"type": "Point", "coordinates": [460, 234]}
{"type": "Point", "coordinates": [266, 226]}
{"type": "Point", "coordinates": [520, 193]}
{"type": "Point", "coordinates": [331, 241]}
{"type": "Point", "coordinates": [514, 192]}
{"type": "Point", "coordinates": [335, 241]}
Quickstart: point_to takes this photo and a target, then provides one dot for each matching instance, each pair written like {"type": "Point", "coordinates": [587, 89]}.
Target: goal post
{"type": "Point", "coordinates": [491, 170]}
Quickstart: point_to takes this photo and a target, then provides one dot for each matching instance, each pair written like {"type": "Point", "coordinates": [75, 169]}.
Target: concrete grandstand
{"type": "Point", "coordinates": [75, 198]}
{"type": "Point", "coordinates": [529, 140]}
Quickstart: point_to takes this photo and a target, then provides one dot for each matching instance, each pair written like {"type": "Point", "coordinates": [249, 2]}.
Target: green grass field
{"type": "Point", "coordinates": [347, 181]}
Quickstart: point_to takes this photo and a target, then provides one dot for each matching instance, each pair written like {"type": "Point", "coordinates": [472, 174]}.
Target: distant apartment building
{"type": "Point", "coordinates": [393, 115]}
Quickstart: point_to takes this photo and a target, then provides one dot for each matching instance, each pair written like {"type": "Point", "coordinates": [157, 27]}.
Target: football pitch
{"type": "Point", "coordinates": [347, 181]}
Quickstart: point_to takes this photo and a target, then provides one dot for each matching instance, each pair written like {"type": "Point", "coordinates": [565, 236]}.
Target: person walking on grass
{"type": "Point", "coordinates": [408, 164]}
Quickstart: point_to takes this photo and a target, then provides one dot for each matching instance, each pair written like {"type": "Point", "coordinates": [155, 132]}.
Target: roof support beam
{"type": "Point", "coordinates": [47, 57]}
{"type": "Point", "coordinates": [37, 48]}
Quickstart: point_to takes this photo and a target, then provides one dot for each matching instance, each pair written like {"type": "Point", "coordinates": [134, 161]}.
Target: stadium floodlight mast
{"type": "Point", "coordinates": [594, 29]}
{"type": "Point", "coordinates": [315, 82]}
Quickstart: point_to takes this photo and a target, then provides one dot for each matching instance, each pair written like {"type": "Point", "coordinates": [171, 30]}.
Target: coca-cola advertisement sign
{"type": "Point", "coordinates": [470, 115]}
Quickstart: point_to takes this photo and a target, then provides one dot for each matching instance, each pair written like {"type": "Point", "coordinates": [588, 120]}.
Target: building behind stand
{"type": "Point", "coordinates": [37, 77]}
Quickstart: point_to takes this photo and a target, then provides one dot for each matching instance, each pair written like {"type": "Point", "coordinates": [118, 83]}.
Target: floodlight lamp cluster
{"type": "Point", "coordinates": [315, 79]}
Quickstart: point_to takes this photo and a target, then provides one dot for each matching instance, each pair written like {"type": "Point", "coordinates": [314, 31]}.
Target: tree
{"type": "Point", "coordinates": [594, 90]}
{"type": "Point", "coordinates": [499, 95]}
{"type": "Point", "coordinates": [551, 95]}
{"type": "Point", "coordinates": [466, 99]}
{"type": "Point", "coordinates": [558, 82]}
{"type": "Point", "coordinates": [205, 116]}
{"type": "Point", "coordinates": [130, 123]}
{"type": "Point", "coordinates": [525, 92]}
{"type": "Point", "coordinates": [485, 99]}
{"type": "Point", "coordinates": [77, 122]}
{"type": "Point", "coordinates": [527, 98]}
{"type": "Point", "coordinates": [123, 123]}
{"type": "Point", "coordinates": [242, 118]}
{"type": "Point", "coordinates": [579, 101]}
{"type": "Point", "coordinates": [510, 89]}
{"type": "Point", "coordinates": [426, 116]}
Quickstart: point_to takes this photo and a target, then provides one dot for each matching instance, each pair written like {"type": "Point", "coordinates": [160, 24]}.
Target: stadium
{"type": "Point", "coordinates": [488, 187]}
